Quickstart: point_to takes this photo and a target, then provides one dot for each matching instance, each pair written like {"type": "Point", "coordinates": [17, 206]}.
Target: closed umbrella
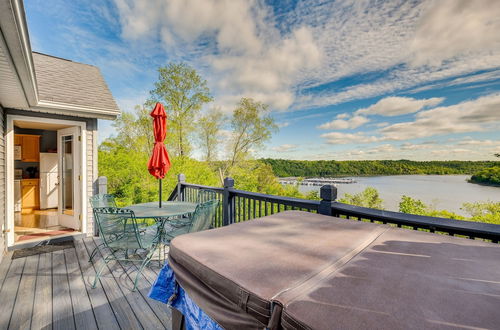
{"type": "Point", "coordinates": [159, 163]}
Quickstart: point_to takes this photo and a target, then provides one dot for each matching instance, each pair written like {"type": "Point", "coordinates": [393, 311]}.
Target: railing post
{"type": "Point", "coordinates": [227, 202]}
{"type": "Point", "coordinates": [102, 185]}
{"type": "Point", "coordinates": [328, 194]}
{"type": "Point", "coordinates": [181, 179]}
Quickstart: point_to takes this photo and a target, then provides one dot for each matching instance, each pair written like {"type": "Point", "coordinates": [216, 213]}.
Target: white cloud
{"type": "Point", "coordinates": [285, 148]}
{"type": "Point", "coordinates": [350, 123]}
{"type": "Point", "coordinates": [283, 124]}
{"type": "Point", "coordinates": [472, 142]}
{"type": "Point", "coordinates": [383, 124]}
{"type": "Point", "coordinates": [412, 146]}
{"type": "Point", "coordinates": [395, 106]}
{"type": "Point", "coordinates": [451, 28]}
{"type": "Point", "coordinates": [478, 115]}
{"type": "Point", "coordinates": [347, 138]}
{"type": "Point", "coordinates": [235, 39]}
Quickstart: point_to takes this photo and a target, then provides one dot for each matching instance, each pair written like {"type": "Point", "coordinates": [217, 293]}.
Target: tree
{"type": "Point", "coordinates": [183, 93]}
{"type": "Point", "coordinates": [367, 198]}
{"type": "Point", "coordinates": [134, 130]}
{"type": "Point", "coordinates": [208, 130]}
{"type": "Point", "coordinates": [488, 212]}
{"type": "Point", "coordinates": [251, 126]}
{"type": "Point", "coordinates": [412, 206]}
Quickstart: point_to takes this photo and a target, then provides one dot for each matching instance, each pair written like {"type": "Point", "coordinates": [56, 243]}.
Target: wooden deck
{"type": "Point", "coordinates": [53, 291]}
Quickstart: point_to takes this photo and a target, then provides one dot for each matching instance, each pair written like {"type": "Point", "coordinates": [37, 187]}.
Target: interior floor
{"type": "Point", "coordinates": [38, 225]}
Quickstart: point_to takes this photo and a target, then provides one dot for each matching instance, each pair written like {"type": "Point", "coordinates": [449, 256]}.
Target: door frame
{"type": "Point", "coordinates": [67, 219]}
{"type": "Point", "coordinates": [9, 167]}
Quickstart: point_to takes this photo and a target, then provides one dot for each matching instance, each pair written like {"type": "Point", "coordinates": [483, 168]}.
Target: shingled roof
{"type": "Point", "coordinates": [67, 82]}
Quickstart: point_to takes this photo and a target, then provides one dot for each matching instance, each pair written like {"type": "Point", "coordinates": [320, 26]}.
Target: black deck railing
{"type": "Point", "coordinates": [240, 205]}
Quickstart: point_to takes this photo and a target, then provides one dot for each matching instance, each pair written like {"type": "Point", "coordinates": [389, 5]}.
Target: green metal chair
{"type": "Point", "coordinates": [120, 233]}
{"type": "Point", "coordinates": [107, 200]}
{"type": "Point", "coordinates": [201, 219]}
{"type": "Point", "coordinates": [102, 200]}
{"type": "Point", "coordinates": [205, 195]}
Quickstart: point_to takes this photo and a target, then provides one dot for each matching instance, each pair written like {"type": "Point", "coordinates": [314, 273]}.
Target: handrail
{"type": "Point", "coordinates": [451, 226]}
{"type": "Point", "coordinates": [298, 202]}
{"type": "Point", "coordinates": [241, 205]}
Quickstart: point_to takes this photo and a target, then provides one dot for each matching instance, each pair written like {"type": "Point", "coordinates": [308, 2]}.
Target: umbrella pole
{"type": "Point", "coordinates": [160, 190]}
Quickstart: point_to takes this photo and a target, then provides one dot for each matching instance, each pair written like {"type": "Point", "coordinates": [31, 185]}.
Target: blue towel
{"type": "Point", "coordinates": [166, 290]}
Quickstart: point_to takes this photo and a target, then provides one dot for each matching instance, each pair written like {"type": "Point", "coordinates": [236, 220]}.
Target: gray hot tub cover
{"type": "Point", "coordinates": [319, 272]}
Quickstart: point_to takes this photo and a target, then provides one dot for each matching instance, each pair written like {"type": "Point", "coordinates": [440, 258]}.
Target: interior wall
{"type": "Point", "coordinates": [48, 141]}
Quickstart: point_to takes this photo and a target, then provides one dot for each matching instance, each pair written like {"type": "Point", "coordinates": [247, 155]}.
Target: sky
{"type": "Point", "coordinates": [344, 80]}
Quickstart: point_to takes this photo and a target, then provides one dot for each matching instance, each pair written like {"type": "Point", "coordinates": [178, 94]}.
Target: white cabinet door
{"type": "Point", "coordinates": [70, 177]}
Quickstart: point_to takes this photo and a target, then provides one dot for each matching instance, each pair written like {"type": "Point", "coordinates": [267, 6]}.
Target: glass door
{"type": "Point", "coordinates": [70, 179]}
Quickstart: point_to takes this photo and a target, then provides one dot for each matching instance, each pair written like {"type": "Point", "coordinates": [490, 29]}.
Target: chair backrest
{"type": "Point", "coordinates": [203, 216]}
{"type": "Point", "coordinates": [114, 223]}
{"type": "Point", "coordinates": [205, 195]}
{"type": "Point", "coordinates": [102, 200]}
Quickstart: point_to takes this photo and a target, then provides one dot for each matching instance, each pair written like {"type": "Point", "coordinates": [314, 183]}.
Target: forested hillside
{"type": "Point", "coordinates": [322, 168]}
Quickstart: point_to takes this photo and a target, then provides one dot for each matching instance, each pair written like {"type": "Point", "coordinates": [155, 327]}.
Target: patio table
{"type": "Point", "coordinates": [169, 210]}
{"type": "Point", "coordinates": [299, 270]}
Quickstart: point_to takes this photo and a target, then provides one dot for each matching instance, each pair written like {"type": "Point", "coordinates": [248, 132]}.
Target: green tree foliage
{"type": "Point", "coordinates": [251, 126]}
{"type": "Point", "coordinates": [367, 198]}
{"type": "Point", "coordinates": [412, 206]}
{"type": "Point", "coordinates": [416, 206]}
{"type": "Point", "coordinates": [258, 177]}
{"type": "Point", "coordinates": [183, 92]}
{"type": "Point", "coordinates": [304, 168]}
{"type": "Point", "coordinates": [208, 129]}
{"type": "Point", "coordinates": [484, 212]}
{"type": "Point", "coordinates": [130, 181]}
{"type": "Point", "coordinates": [489, 175]}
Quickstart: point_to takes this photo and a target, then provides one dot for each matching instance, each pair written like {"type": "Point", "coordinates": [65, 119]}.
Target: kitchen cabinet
{"type": "Point", "coordinates": [30, 195]}
{"type": "Point", "coordinates": [30, 147]}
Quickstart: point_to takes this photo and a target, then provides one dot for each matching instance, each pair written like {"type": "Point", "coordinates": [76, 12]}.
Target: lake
{"type": "Point", "coordinates": [443, 192]}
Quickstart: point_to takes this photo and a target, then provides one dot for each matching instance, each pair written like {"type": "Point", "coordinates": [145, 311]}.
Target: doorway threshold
{"type": "Point", "coordinates": [36, 241]}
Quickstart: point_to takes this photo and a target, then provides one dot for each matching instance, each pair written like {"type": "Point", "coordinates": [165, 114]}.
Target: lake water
{"type": "Point", "coordinates": [443, 192]}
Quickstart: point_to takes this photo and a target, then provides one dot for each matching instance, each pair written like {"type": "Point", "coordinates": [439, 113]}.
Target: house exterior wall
{"type": "Point", "coordinates": [91, 158]}
{"type": "Point", "coordinates": [2, 183]}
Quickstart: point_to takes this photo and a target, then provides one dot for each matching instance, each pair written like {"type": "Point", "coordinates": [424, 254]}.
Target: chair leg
{"type": "Point", "coordinates": [143, 264]}
{"type": "Point", "coordinates": [101, 269]}
{"type": "Point", "coordinates": [94, 252]}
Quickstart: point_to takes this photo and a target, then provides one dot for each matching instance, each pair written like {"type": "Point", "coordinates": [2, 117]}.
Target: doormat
{"type": "Point", "coordinates": [45, 247]}
{"type": "Point", "coordinates": [45, 233]}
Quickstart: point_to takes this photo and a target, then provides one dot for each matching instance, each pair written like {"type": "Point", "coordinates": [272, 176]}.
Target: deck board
{"type": "Point", "coordinates": [62, 311]}
{"type": "Point", "coordinates": [8, 294]}
{"type": "Point", "coordinates": [82, 309]}
{"type": "Point", "coordinates": [42, 305]}
{"type": "Point", "coordinates": [143, 311]}
{"type": "Point", "coordinates": [21, 314]}
{"type": "Point", "coordinates": [124, 312]}
{"type": "Point", "coordinates": [104, 313]}
{"type": "Point", "coordinates": [53, 291]}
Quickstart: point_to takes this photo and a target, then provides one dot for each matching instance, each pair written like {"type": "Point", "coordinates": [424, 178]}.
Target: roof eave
{"type": "Point", "coordinates": [75, 110]}
{"type": "Point", "coordinates": [15, 31]}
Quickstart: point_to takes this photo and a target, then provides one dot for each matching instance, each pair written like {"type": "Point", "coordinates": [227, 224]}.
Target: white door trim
{"type": "Point", "coordinates": [9, 166]}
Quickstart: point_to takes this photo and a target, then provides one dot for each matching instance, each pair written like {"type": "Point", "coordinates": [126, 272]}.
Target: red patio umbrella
{"type": "Point", "coordinates": [159, 163]}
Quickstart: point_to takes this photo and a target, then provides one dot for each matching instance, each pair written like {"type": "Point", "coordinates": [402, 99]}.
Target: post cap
{"type": "Point", "coordinates": [328, 192]}
{"type": "Point", "coordinates": [228, 182]}
{"type": "Point", "coordinates": [181, 178]}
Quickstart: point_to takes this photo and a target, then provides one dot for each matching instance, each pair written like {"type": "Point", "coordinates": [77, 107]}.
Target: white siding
{"type": "Point", "coordinates": [91, 177]}
{"type": "Point", "coordinates": [2, 183]}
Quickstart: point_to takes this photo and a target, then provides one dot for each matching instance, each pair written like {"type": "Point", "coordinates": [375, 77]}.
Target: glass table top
{"type": "Point", "coordinates": [168, 209]}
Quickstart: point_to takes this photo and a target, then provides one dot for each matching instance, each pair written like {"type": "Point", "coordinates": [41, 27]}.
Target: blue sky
{"type": "Point", "coordinates": [344, 80]}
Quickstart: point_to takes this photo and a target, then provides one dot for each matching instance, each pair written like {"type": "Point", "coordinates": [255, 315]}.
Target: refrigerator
{"type": "Point", "coordinates": [49, 181]}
